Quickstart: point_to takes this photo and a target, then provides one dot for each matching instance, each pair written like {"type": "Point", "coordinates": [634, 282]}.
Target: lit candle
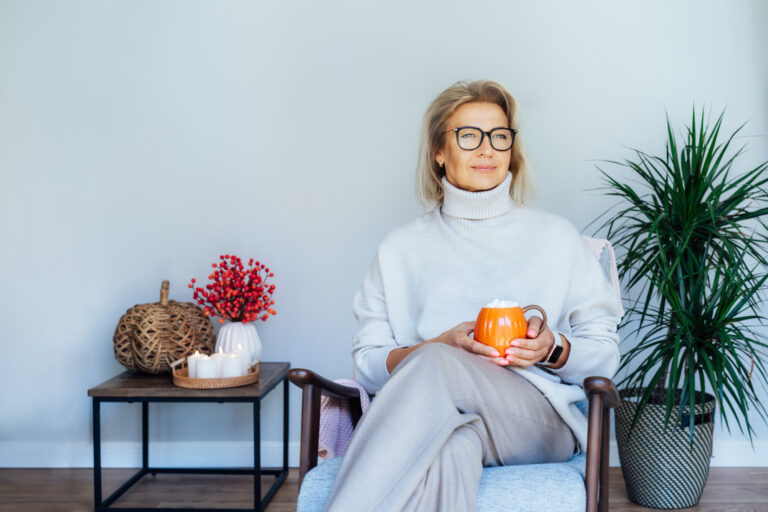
{"type": "Point", "coordinates": [243, 356]}
{"type": "Point", "coordinates": [192, 364]}
{"type": "Point", "coordinates": [206, 368]}
{"type": "Point", "coordinates": [231, 366]}
{"type": "Point", "coordinates": [218, 358]}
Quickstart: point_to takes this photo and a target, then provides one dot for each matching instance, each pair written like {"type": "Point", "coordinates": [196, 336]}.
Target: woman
{"type": "Point", "coordinates": [446, 405]}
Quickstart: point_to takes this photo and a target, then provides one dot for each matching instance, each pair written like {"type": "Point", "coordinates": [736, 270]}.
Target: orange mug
{"type": "Point", "coordinates": [497, 327]}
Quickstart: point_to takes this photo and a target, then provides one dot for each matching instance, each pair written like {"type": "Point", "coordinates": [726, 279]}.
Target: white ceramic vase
{"type": "Point", "coordinates": [234, 334]}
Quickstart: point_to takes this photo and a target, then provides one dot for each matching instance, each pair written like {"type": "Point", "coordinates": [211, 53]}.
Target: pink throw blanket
{"type": "Point", "coordinates": [597, 245]}
{"type": "Point", "coordinates": [336, 421]}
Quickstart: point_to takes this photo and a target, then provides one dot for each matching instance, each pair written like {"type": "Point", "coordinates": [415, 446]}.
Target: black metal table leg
{"type": "Point", "coordinates": [285, 425]}
{"type": "Point", "coordinates": [257, 455]}
{"type": "Point", "coordinates": [145, 435]}
{"type": "Point", "coordinates": [280, 474]}
{"type": "Point", "coordinates": [97, 453]}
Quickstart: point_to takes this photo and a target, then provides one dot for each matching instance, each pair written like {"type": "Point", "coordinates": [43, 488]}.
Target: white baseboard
{"type": "Point", "coordinates": [240, 454]}
{"type": "Point", "coordinates": [203, 454]}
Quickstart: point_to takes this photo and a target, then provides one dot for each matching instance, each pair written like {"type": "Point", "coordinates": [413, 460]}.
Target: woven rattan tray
{"type": "Point", "coordinates": [182, 379]}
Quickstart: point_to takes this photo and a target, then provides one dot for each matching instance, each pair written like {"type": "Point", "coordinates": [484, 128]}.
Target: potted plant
{"type": "Point", "coordinates": [692, 233]}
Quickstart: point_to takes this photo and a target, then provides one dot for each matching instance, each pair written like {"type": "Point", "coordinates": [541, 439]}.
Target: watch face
{"type": "Point", "coordinates": [555, 355]}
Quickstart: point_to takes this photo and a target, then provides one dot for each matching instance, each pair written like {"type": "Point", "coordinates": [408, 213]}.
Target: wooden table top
{"type": "Point", "coordinates": [141, 385]}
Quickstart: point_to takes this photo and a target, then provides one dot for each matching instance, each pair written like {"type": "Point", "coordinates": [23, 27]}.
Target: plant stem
{"type": "Point", "coordinates": [660, 390]}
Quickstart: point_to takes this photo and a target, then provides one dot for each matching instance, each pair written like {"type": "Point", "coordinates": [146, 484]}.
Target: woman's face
{"type": "Point", "coordinates": [479, 169]}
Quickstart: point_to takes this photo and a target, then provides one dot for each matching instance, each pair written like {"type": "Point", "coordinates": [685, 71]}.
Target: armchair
{"type": "Point", "coordinates": [577, 485]}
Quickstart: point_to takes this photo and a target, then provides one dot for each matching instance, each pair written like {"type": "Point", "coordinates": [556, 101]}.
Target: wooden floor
{"type": "Point", "coordinates": [71, 490]}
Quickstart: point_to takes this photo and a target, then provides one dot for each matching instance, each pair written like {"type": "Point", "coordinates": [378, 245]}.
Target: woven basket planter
{"type": "Point", "coordinates": [661, 468]}
{"type": "Point", "coordinates": [149, 337]}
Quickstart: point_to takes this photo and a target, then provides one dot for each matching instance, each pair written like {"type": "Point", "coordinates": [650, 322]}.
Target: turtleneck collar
{"type": "Point", "coordinates": [477, 205]}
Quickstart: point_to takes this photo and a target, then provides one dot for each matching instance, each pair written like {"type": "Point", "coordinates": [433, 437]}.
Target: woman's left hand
{"type": "Point", "coordinates": [534, 347]}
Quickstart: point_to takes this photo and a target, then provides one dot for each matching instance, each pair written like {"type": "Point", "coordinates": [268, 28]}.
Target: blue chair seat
{"type": "Point", "coordinates": [535, 487]}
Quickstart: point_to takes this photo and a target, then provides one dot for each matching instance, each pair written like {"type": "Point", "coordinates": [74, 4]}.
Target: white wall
{"type": "Point", "coordinates": [140, 140]}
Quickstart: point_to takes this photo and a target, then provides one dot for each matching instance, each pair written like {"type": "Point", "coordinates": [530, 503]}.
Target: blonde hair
{"type": "Point", "coordinates": [429, 187]}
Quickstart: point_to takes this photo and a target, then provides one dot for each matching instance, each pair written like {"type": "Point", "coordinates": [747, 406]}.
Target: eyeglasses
{"type": "Point", "coordinates": [471, 137]}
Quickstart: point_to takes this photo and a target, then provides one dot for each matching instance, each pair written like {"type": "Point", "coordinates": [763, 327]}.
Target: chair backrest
{"type": "Point", "coordinates": [603, 251]}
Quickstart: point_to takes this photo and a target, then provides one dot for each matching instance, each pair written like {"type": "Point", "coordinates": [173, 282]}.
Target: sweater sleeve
{"type": "Point", "coordinates": [374, 339]}
{"type": "Point", "coordinates": [591, 316]}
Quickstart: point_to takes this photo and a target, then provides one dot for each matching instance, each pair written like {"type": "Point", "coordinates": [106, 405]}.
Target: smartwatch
{"type": "Point", "coordinates": [554, 354]}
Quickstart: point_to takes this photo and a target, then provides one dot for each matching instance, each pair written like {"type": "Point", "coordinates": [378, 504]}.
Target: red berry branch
{"type": "Point", "coordinates": [236, 293]}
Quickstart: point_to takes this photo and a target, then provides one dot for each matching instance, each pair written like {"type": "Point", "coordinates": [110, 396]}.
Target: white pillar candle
{"type": "Point", "coordinates": [231, 366]}
{"type": "Point", "coordinates": [243, 355]}
{"type": "Point", "coordinates": [206, 368]}
{"type": "Point", "coordinates": [192, 364]}
{"type": "Point", "coordinates": [218, 358]}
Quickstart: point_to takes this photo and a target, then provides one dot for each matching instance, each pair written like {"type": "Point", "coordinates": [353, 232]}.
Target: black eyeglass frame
{"type": "Point", "coordinates": [482, 137]}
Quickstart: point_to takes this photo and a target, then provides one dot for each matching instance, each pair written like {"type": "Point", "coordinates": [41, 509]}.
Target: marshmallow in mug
{"type": "Point", "coordinates": [498, 303]}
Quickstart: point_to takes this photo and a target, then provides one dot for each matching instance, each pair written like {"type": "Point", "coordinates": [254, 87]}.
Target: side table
{"type": "Point", "coordinates": [135, 387]}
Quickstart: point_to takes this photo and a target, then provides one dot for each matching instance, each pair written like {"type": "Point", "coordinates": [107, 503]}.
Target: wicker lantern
{"type": "Point", "coordinates": [149, 337]}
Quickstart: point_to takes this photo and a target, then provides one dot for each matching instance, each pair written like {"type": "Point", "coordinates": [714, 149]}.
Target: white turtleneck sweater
{"type": "Point", "coordinates": [438, 270]}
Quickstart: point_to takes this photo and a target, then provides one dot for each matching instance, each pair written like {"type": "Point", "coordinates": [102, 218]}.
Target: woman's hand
{"type": "Point", "coordinates": [461, 337]}
{"type": "Point", "coordinates": [534, 347]}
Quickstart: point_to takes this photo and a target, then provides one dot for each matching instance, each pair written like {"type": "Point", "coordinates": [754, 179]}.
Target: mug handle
{"type": "Point", "coordinates": [543, 314]}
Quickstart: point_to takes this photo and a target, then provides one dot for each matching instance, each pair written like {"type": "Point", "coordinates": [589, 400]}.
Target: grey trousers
{"type": "Point", "coordinates": [442, 415]}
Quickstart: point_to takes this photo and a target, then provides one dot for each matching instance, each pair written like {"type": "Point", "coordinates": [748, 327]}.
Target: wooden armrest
{"type": "Point", "coordinates": [302, 377]}
{"type": "Point", "coordinates": [605, 388]}
{"type": "Point", "coordinates": [313, 386]}
{"type": "Point", "coordinates": [602, 398]}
